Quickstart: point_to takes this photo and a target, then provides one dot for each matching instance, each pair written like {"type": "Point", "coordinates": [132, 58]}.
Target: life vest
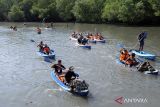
{"type": "Point", "coordinates": [122, 57]}
{"type": "Point", "coordinates": [46, 49]}
{"type": "Point", "coordinates": [61, 78]}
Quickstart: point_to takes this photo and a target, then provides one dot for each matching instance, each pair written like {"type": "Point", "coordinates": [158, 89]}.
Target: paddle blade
{"type": "Point", "coordinates": [32, 40]}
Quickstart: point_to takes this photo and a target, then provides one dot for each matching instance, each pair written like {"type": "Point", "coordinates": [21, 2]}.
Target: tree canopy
{"type": "Point", "coordinates": [88, 11]}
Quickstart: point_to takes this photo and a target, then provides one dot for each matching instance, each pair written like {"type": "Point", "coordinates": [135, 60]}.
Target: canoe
{"type": "Point", "coordinates": [67, 88]}
{"type": "Point", "coordinates": [75, 39]}
{"type": "Point", "coordinates": [92, 41]}
{"type": "Point", "coordinates": [145, 72]}
{"type": "Point", "coordinates": [143, 54]}
{"type": "Point", "coordinates": [84, 46]}
{"type": "Point", "coordinates": [51, 55]}
{"type": "Point", "coordinates": [101, 41]}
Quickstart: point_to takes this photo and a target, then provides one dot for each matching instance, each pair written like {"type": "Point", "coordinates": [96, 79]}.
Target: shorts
{"type": "Point", "coordinates": [141, 44]}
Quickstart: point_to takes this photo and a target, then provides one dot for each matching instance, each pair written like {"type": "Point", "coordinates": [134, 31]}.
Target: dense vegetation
{"type": "Point", "coordinates": [90, 11]}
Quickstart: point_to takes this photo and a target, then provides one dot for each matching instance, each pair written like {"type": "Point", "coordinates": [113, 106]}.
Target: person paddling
{"type": "Point", "coordinates": [15, 28]}
{"type": "Point", "coordinates": [141, 38]}
{"type": "Point", "coordinates": [58, 67]}
{"type": "Point", "coordinates": [11, 27]}
{"type": "Point", "coordinates": [38, 30]}
{"type": "Point", "coordinates": [41, 46]}
{"type": "Point", "coordinates": [70, 75]}
{"type": "Point", "coordinates": [80, 39]}
{"type": "Point", "coordinates": [145, 66]}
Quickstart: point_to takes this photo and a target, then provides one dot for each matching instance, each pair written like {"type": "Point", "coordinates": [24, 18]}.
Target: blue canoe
{"type": "Point", "coordinates": [95, 41]}
{"type": "Point", "coordinates": [75, 39]}
{"type": "Point", "coordinates": [145, 72]}
{"type": "Point", "coordinates": [101, 41]}
{"type": "Point", "coordinates": [51, 55]}
{"type": "Point", "coordinates": [143, 54]}
{"type": "Point", "coordinates": [92, 41]}
{"type": "Point", "coordinates": [84, 46]}
{"type": "Point", "coordinates": [67, 88]}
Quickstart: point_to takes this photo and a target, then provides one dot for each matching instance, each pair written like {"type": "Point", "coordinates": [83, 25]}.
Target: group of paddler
{"type": "Point", "coordinates": [67, 76]}
{"type": "Point", "coordinates": [97, 36]}
{"type": "Point", "coordinates": [64, 75]}
{"type": "Point", "coordinates": [14, 28]}
{"type": "Point", "coordinates": [129, 58]}
{"type": "Point", "coordinates": [83, 39]}
{"type": "Point", "coordinates": [44, 48]}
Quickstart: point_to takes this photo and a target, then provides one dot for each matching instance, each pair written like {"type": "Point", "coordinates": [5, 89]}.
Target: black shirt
{"type": "Point", "coordinates": [69, 75]}
{"type": "Point", "coordinates": [58, 68]}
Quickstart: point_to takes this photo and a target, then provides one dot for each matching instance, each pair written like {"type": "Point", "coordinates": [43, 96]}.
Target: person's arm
{"type": "Point", "coordinates": [53, 66]}
{"type": "Point", "coordinates": [63, 67]}
{"type": "Point", "coordinates": [75, 75]}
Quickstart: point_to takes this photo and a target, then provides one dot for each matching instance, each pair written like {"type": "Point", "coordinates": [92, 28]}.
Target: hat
{"type": "Point", "coordinates": [71, 68]}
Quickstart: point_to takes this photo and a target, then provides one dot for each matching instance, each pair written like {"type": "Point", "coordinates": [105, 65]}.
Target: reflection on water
{"type": "Point", "coordinates": [25, 77]}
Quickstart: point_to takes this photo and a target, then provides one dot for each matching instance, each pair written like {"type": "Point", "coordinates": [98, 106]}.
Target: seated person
{"type": "Point", "coordinates": [145, 66]}
{"type": "Point", "coordinates": [38, 30]}
{"type": "Point", "coordinates": [74, 35]}
{"type": "Point", "coordinates": [15, 28]}
{"type": "Point", "coordinates": [58, 68]}
{"type": "Point", "coordinates": [123, 55]}
{"type": "Point", "coordinates": [80, 39]}
{"type": "Point", "coordinates": [46, 49]}
{"type": "Point", "coordinates": [11, 27]}
{"type": "Point", "coordinates": [84, 41]}
{"type": "Point", "coordinates": [131, 61]}
{"type": "Point", "coordinates": [70, 75]}
{"type": "Point", "coordinates": [41, 45]}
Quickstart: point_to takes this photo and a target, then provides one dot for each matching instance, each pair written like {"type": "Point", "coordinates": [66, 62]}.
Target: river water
{"type": "Point", "coordinates": [25, 77]}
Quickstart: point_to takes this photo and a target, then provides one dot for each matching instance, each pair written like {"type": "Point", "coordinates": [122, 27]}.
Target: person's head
{"type": "Point", "coordinates": [133, 55]}
{"type": "Point", "coordinates": [71, 68]}
{"type": "Point", "coordinates": [125, 51]}
{"type": "Point", "coordinates": [122, 50]}
{"type": "Point", "coordinates": [148, 63]}
{"type": "Point", "coordinates": [41, 42]}
{"type": "Point", "coordinates": [59, 62]}
{"type": "Point", "coordinates": [46, 45]}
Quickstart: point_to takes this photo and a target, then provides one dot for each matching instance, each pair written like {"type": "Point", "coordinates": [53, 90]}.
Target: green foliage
{"type": "Point", "coordinates": [16, 14]}
{"type": "Point", "coordinates": [128, 11]}
{"type": "Point", "coordinates": [111, 11]}
{"type": "Point", "coordinates": [90, 11]}
{"type": "Point", "coordinates": [64, 9]}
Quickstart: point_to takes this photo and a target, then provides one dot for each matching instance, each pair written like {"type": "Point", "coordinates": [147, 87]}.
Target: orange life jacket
{"type": "Point", "coordinates": [122, 57]}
